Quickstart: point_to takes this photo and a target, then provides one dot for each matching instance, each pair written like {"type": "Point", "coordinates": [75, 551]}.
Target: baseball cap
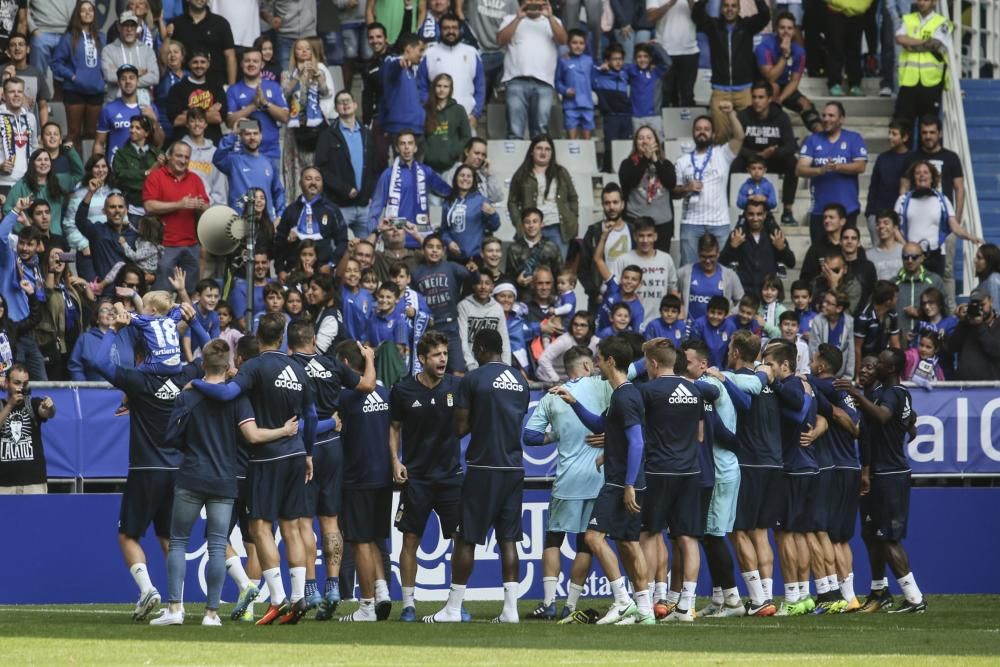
{"type": "Point", "coordinates": [128, 16]}
{"type": "Point", "coordinates": [127, 68]}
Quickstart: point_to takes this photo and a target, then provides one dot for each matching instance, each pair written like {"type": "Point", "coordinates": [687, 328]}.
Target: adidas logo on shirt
{"type": "Point", "coordinates": [682, 395]}
{"type": "Point", "coordinates": [416, 404]}
{"type": "Point", "coordinates": [168, 391]}
{"type": "Point", "coordinates": [507, 381]}
{"type": "Point", "coordinates": [374, 403]}
{"type": "Point", "coordinates": [287, 380]}
{"type": "Point", "coordinates": [314, 369]}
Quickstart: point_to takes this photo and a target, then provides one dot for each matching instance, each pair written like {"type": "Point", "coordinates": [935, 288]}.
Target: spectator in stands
{"type": "Point", "coordinates": [290, 20]}
{"type": "Point", "coordinates": [399, 18]}
{"type": "Point", "coordinates": [913, 280]}
{"type": "Point", "coordinates": [644, 76]}
{"type": "Point", "coordinates": [371, 76]}
{"type": "Point", "coordinates": [475, 155]}
{"type": "Point", "coordinates": [934, 319]}
{"type": "Point", "coordinates": [446, 128]}
{"type": "Point", "coordinates": [39, 216]}
{"type": "Point", "coordinates": [976, 341]}
{"type": "Point", "coordinates": [876, 327]}
{"type": "Point", "coordinates": [459, 60]}
{"type": "Point", "coordinates": [700, 281]}
{"type": "Point", "coordinates": [128, 50]}
{"type": "Point", "coordinates": [312, 217]}
{"type": "Point", "coordinates": [610, 84]}
{"type": "Point", "coordinates": [925, 40]}
{"type": "Point", "coordinates": [858, 264]}
{"type": "Point", "coordinates": [618, 243]}
{"type": "Point", "coordinates": [647, 180]}
{"type": "Point", "coordinates": [477, 312]}
{"type": "Point", "coordinates": [76, 63]}
{"type": "Point", "coordinates": [887, 255]}
{"type": "Point", "coordinates": [18, 133]}
{"type": "Point", "coordinates": [573, 82]}
{"type": "Point", "coordinates": [198, 28]}
{"type": "Point", "coordinates": [114, 126]}
{"type": "Point", "coordinates": [946, 161]}
{"type": "Point", "coordinates": [542, 183]}
{"type": "Point", "coordinates": [62, 314]}
{"type": "Point", "coordinates": [81, 366]}
{"type": "Point", "coordinates": [400, 108]}
{"type": "Point", "coordinates": [172, 63]}
{"type": "Point", "coordinates": [177, 196]}
{"type": "Point", "coordinates": [659, 276]}
{"type": "Point", "coordinates": [832, 160]}
{"type": "Point", "coordinates": [103, 237]}
{"type": "Point", "coordinates": [261, 100]}
{"type": "Point", "coordinates": [531, 38]}
{"type": "Point", "coordinates": [756, 248]}
{"type": "Point", "coordinates": [430, 30]}
{"type": "Point", "coordinates": [22, 284]}
{"type": "Point", "coordinates": [194, 91]}
{"type": "Point", "coordinates": [704, 176]}
{"type": "Point", "coordinates": [769, 136]}
{"type": "Point", "coordinates": [240, 159]}
{"type": "Point", "coordinates": [484, 19]}
{"type": "Point", "coordinates": [467, 218]}
{"type": "Point", "coordinates": [988, 270]}
{"type": "Point", "coordinates": [631, 26]}
{"type": "Point", "coordinates": [345, 156]}
{"type": "Point", "coordinates": [36, 88]}
{"type": "Point", "coordinates": [834, 326]}
{"type": "Point", "coordinates": [202, 152]}
{"type": "Point", "coordinates": [579, 333]}
{"type": "Point", "coordinates": [58, 150]}
{"type": "Point", "coordinates": [540, 303]}
{"type": "Point", "coordinates": [22, 458]}
{"type": "Point", "coordinates": [926, 215]}
{"type": "Point", "coordinates": [531, 250]}
{"type": "Point", "coordinates": [136, 160]}
{"type": "Point", "coordinates": [41, 182]}
{"type": "Point", "coordinates": [843, 28]}
{"type": "Point", "coordinates": [675, 32]}
{"type": "Point", "coordinates": [890, 167]}
{"type": "Point", "coordinates": [308, 88]}
{"type": "Point", "coordinates": [402, 191]}
{"type": "Point", "coordinates": [730, 40]}
{"type": "Point", "coordinates": [781, 60]}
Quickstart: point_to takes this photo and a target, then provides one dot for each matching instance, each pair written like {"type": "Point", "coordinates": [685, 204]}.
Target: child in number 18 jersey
{"type": "Point", "coordinates": [158, 324]}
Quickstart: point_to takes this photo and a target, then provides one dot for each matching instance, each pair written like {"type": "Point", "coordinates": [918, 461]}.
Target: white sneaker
{"type": "Point", "coordinates": [711, 610]}
{"type": "Point", "coordinates": [725, 611]}
{"type": "Point", "coordinates": [147, 603]}
{"type": "Point", "coordinates": [885, 91]}
{"type": "Point", "coordinates": [211, 620]}
{"type": "Point", "coordinates": [617, 612]}
{"type": "Point", "coordinates": [677, 617]}
{"type": "Point", "coordinates": [169, 618]}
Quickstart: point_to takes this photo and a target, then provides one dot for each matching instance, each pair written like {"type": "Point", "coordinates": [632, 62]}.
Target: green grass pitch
{"type": "Point", "coordinates": [956, 630]}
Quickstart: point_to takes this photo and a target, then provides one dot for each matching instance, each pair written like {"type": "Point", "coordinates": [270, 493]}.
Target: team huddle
{"type": "Point", "coordinates": [658, 441]}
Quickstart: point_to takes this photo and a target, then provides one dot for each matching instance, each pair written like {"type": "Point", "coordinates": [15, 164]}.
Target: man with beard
{"type": "Point", "coordinates": [618, 243]}
{"type": "Point", "coordinates": [195, 92]}
{"type": "Point", "coordinates": [460, 61]}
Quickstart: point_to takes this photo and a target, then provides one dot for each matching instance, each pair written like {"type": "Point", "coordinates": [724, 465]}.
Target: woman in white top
{"type": "Point", "coordinates": [308, 88]}
{"type": "Point", "coordinates": [926, 216]}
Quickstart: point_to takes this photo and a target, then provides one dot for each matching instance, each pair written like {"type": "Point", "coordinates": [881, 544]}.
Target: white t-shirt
{"type": "Point", "coordinates": [532, 52]}
{"type": "Point", "coordinates": [659, 278]}
{"type": "Point", "coordinates": [923, 218]}
{"type": "Point", "coordinates": [618, 243]}
{"type": "Point", "coordinates": [547, 205]}
{"type": "Point", "coordinates": [243, 17]}
{"type": "Point", "coordinates": [710, 206]}
{"type": "Point", "coordinates": [675, 30]}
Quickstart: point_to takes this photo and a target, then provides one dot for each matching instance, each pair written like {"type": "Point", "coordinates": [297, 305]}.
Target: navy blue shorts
{"type": "Point", "coordinates": [491, 498]}
{"type": "Point", "coordinates": [366, 513]}
{"type": "Point", "coordinates": [325, 492]}
{"type": "Point", "coordinates": [611, 518]}
{"type": "Point", "coordinates": [240, 514]}
{"type": "Point", "coordinates": [148, 499]}
{"type": "Point", "coordinates": [760, 500]}
{"type": "Point", "coordinates": [420, 497]}
{"type": "Point", "coordinates": [674, 502]}
{"type": "Point", "coordinates": [845, 491]}
{"type": "Point", "coordinates": [890, 505]}
{"type": "Point", "coordinates": [278, 489]}
{"type": "Point", "coordinates": [821, 501]}
{"type": "Point", "coordinates": [797, 513]}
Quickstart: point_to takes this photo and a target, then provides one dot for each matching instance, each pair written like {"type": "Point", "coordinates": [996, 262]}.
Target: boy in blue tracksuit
{"type": "Point", "coordinates": [715, 329]}
{"type": "Point", "coordinates": [246, 168]}
{"type": "Point", "coordinates": [610, 82]}
{"type": "Point", "coordinates": [757, 187]}
{"type": "Point", "coordinates": [401, 108]}
{"type": "Point", "coordinates": [573, 75]}
{"type": "Point", "coordinates": [645, 77]}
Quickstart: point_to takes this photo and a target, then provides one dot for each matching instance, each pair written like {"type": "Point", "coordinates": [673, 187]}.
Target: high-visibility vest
{"type": "Point", "coordinates": [921, 68]}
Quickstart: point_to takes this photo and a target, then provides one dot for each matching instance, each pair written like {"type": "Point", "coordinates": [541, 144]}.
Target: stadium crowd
{"type": "Point", "coordinates": [377, 219]}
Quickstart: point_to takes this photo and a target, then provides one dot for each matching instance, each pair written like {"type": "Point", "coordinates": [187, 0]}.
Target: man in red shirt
{"type": "Point", "coordinates": [177, 197]}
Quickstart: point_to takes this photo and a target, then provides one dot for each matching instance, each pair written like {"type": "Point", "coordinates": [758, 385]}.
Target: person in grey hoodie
{"type": "Point", "coordinates": [128, 50]}
{"type": "Point", "coordinates": [202, 152]}
{"type": "Point", "coordinates": [477, 312]}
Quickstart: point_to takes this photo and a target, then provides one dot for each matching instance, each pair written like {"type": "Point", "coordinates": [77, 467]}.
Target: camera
{"type": "Point", "coordinates": [974, 310]}
{"type": "Point", "coordinates": [399, 223]}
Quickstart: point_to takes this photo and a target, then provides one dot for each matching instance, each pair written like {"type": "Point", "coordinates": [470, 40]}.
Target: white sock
{"type": "Point", "coordinates": [673, 597]}
{"type": "Point", "coordinates": [732, 597]}
{"type": "Point", "coordinates": [803, 589]}
{"type": "Point", "coordinates": [911, 591]}
{"type": "Point", "coordinates": [365, 610]}
{"type": "Point", "coordinates": [618, 590]}
{"type": "Point", "coordinates": [381, 590]}
{"type": "Point", "coordinates": [822, 585]}
{"type": "Point", "coordinates": [767, 584]}
{"type": "Point", "coordinates": [660, 590]}
{"type": "Point", "coordinates": [408, 598]}
{"type": "Point", "coordinates": [668, 580]}
{"type": "Point", "coordinates": [274, 585]}
{"type": "Point", "coordinates": [141, 576]}
{"type": "Point", "coordinates": [880, 584]}
{"type": "Point", "coordinates": [573, 595]}
{"type": "Point", "coordinates": [717, 597]}
{"type": "Point", "coordinates": [847, 587]}
{"type": "Point", "coordinates": [234, 568]}
{"type": "Point", "coordinates": [455, 597]}
{"type": "Point", "coordinates": [642, 602]}
{"type": "Point", "coordinates": [297, 575]}
{"type": "Point", "coordinates": [686, 602]}
{"type": "Point", "coordinates": [549, 590]}
{"type": "Point", "coordinates": [509, 600]}
{"type": "Point", "coordinates": [791, 593]}
{"type": "Point", "coordinates": [832, 579]}
{"type": "Point", "coordinates": [754, 587]}
{"type": "Point", "coordinates": [651, 588]}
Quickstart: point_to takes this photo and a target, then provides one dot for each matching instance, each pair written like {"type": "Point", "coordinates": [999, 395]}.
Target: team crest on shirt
{"type": "Point", "coordinates": [725, 336]}
{"type": "Point", "coordinates": [843, 145]}
{"type": "Point", "coordinates": [450, 400]}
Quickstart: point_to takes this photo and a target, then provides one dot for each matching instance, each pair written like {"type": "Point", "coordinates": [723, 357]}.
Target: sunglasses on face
{"type": "Point", "coordinates": [912, 258]}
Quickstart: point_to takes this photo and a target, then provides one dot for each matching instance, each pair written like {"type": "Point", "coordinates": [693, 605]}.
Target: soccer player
{"type": "Point", "coordinates": [324, 492]}
{"type": "Point", "coordinates": [844, 486]}
{"type": "Point", "coordinates": [491, 403]}
{"type": "Point", "coordinates": [367, 484]}
{"type": "Point", "coordinates": [890, 417]}
{"type": "Point", "coordinates": [578, 480]}
{"type": "Point", "coordinates": [617, 511]}
{"type": "Point", "coordinates": [424, 453]}
{"type": "Point", "coordinates": [279, 470]}
{"type": "Point", "coordinates": [149, 488]}
{"type": "Point", "coordinates": [759, 455]}
{"type": "Point", "coordinates": [674, 407]}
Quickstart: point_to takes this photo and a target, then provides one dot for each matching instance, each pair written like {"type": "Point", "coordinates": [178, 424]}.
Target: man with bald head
{"type": "Point", "coordinates": [913, 281]}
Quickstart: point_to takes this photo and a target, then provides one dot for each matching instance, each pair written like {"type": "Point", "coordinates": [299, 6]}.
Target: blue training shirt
{"type": "Point", "coordinates": [496, 396]}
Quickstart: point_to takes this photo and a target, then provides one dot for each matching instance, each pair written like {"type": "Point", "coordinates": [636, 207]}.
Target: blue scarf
{"type": "Point", "coordinates": [420, 322]}
{"type": "Point", "coordinates": [304, 104]}
{"type": "Point", "coordinates": [308, 227]}
{"type": "Point", "coordinates": [396, 193]}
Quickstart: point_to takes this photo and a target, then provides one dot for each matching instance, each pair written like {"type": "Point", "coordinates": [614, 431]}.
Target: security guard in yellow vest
{"type": "Point", "coordinates": [925, 37]}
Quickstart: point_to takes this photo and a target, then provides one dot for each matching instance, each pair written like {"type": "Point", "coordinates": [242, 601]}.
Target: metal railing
{"type": "Point", "coordinates": [982, 30]}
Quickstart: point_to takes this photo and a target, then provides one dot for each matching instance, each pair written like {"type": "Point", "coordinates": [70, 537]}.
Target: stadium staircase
{"type": "Point", "coordinates": [981, 104]}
